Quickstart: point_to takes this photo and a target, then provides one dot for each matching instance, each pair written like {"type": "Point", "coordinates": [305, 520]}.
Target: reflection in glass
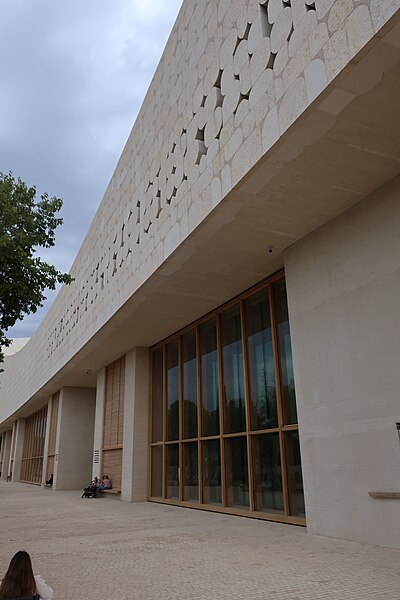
{"type": "Point", "coordinates": [268, 493]}
{"type": "Point", "coordinates": [173, 391]}
{"type": "Point", "coordinates": [189, 385]}
{"type": "Point", "coordinates": [233, 379]}
{"type": "Point", "coordinates": [211, 472]}
{"type": "Point", "coordinates": [285, 353]}
{"type": "Point", "coordinates": [295, 477]}
{"type": "Point", "coordinates": [173, 471]}
{"type": "Point", "coordinates": [237, 481]}
{"type": "Point", "coordinates": [209, 379]}
{"type": "Point", "coordinates": [190, 472]}
{"type": "Point", "coordinates": [156, 471]}
{"type": "Point", "coordinates": [157, 397]}
{"type": "Point", "coordinates": [261, 369]}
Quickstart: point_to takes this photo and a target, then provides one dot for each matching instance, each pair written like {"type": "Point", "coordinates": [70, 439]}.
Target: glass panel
{"type": "Point", "coordinates": [295, 477]}
{"type": "Point", "coordinates": [237, 481]}
{"type": "Point", "coordinates": [209, 379]}
{"type": "Point", "coordinates": [285, 353]}
{"type": "Point", "coordinates": [157, 397]}
{"type": "Point", "coordinates": [172, 452]}
{"type": "Point", "coordinates": [268, 493]}
{"type": "Point", "coordinates": [156, 471]}
{"type": "Point", "coordinates": [261, 368]}
{"type": "Point", "coordinates": [189, 385]}
{"type": "Point", "coordinates": [211, 472]}
{"type": "Point", "coordinates": [233, 378]}
{"type": "Point", "coordinates": [190, 472]}
{"type": "Point", "coordinates": [173, 391]}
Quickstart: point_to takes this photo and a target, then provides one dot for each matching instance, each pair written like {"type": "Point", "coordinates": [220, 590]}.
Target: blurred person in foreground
{"type": "Point", "coordinates": [20, 582]}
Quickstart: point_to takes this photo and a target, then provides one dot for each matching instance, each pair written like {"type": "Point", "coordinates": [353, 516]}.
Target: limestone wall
{"type": "Point", "coordinates": [343, 288]}
{"type": "Point", "coordinates": [235, 74]}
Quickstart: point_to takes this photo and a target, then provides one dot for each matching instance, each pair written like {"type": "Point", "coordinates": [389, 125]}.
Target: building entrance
{"type": "Point", "coordinates": [224, 433]}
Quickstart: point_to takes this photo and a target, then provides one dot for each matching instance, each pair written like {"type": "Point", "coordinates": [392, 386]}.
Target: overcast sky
{"type": "Point", "coordinates": [73, 77]}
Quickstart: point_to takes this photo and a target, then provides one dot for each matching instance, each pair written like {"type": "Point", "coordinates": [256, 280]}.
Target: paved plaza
{"type": "Point", "coordinates": [110, 549]}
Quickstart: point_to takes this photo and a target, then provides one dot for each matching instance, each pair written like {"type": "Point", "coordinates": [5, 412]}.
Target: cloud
{"type": "Point", "coordinates": [72, 84]}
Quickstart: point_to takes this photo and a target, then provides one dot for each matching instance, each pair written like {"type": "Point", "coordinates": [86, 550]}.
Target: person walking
{"type": "Point", "coordinates": [20, 582]}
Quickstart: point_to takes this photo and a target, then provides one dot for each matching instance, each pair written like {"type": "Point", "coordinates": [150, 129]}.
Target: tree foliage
{"type": "Point", "coordinates": [26, 224]}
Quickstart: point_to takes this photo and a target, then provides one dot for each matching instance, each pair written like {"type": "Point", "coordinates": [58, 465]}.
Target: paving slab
{"type": "Point", "coordinates": [112, 549]}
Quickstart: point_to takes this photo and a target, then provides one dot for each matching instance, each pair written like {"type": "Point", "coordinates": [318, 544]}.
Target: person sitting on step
{"type": "Point", "coordinates": [104, 485]}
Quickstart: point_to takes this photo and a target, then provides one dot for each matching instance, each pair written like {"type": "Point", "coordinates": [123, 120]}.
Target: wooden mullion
{"type": "Point", "coordinates": [111, 401]}
{"type": "Point", "coordinates": [28, 426]}
{"type": "Point", "coordinates": [150, 429]}
{"type": "Point", "coordinates": [165, 408]}
{"type": "Point", "coordinates": [184, 441]}
{"type": "Point", "coordinates": [199, 414]}
{"type": "Point", "coordinates": [247, 404]}
{"type": "Point", "coordinates": [27, 436]}
{"type": "Point", "coordinates": [180, 419]}
{"type": "Point", "coordinates": [234, 435]}
{"type": "Point", "coordinates": [23, 464]}
{"type": "Point", "coordinates": [290, 427]}
{"type": "Point", "coordinates": [221, 410]}
{"type": "Point", "coordinates": [119, 398]}
{"type": "Point", "coordinates": [31, 447]}
{"type": "Point", "coordinates": [38, 445]}
{"type": "Point", "coordinates": [285, 490]}
{"type": "Point", "coordinates": [41, 445]}
{"type": "Point", "coordinates": [264, 431]}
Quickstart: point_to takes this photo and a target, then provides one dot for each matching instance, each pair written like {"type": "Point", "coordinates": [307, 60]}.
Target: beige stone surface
{"type": "Point", "coordinates": [75, 433]}
{"type": "Point", "coordinates": [343, 286]}
{"type": "Point", "coordinates": [16, 345]}
{"type": "Point", "coordinates": [187, 136]}
{"type": "Point", "coordinates": [5, 453]}
{"type": "Point", "coordinates": [89, 548]}
{"type": "Point", "coordinates": [136, 419]}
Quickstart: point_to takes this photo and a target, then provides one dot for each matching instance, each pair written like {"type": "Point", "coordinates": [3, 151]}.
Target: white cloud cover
{"type": "Point", "coordinates": [73, 77]}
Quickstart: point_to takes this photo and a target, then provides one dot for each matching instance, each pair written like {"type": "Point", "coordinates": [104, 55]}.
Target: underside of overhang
{"type": "Point", "coordinates": [344, 147]}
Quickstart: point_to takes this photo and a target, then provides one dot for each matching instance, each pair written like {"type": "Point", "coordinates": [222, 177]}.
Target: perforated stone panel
{"type": "Point", "coordinates": [235, 74]}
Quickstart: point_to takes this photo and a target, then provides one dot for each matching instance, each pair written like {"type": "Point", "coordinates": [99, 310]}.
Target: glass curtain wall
{"type": "Point", "coordinates": [224, 433]}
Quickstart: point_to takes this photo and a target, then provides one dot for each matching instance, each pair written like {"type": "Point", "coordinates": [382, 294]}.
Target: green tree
{"type": "Point", "coordinates": [26, 224]}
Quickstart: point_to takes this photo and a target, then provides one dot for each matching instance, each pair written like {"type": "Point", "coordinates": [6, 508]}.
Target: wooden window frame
{"type": "Point", "coordinates": [33, 447]}
{"type": "Point", "coordinates": [281, 429]}
{"type": "Point", "coordinates": [118, 415]}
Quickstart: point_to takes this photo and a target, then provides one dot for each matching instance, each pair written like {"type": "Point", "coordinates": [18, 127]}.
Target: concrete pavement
{"type": "Point", "coordinates": [110, 549]}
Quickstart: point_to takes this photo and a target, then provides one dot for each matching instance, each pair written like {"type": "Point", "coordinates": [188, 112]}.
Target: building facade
{"type": "Point", "coordinates": [231, 337]}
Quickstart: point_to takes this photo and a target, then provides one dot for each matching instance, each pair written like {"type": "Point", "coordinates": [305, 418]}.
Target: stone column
{"type": "Point", "coordinates": [6, 453]}
{"type": "Point", "coordinates": [46, 439]}
{"type": "Point", "coordinates": [136, 411]}
{"type": "Point", "coordinates": [98, 423]}
{"type": "Point", "coordinates": [74, 446]}
{"type": "Point", "coordinates": [18, 445]}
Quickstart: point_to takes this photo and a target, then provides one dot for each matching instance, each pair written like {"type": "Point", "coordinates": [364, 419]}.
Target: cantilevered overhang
{"type": "Point", "coordinates": [341, 149]}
